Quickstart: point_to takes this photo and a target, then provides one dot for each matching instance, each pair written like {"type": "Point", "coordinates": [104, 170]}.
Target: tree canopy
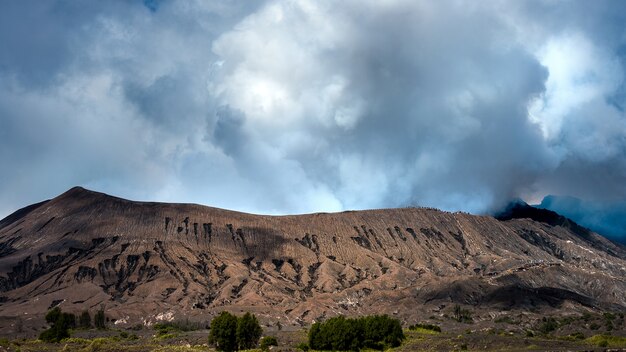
{"type": "Point", "coordinates": [229, 333]}
{"type": "Point", "coordinates": [60, 325]}
{"type": "Point", "coordinates": [343, 334]}
{"type": "Point", "coordinates": [224, 332]}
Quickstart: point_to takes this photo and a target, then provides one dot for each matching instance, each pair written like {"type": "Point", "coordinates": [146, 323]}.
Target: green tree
{"type": "Point", "coordinates": [337, 334]}
{"type": "Point", "coordinates": [248, 331]}
{"type": "Point", "coordinates": [99, 320]}
{"type": "Point", "coordinates": [60, 325]}
{"type": "Point", "coordinates": [315, 337]}
{"type": "Point", "coordinates": [462, 315]}
{"type": "Point", "coordinates": [268, 341]}
{"type": "Point", "coordinates": [548, 325]}
{"type": "Point", "coordinates": [84, 322]}
{"type": "Point", "coordinates": [382, 328]}
{"type": "Point", "coordinates": [223, 332]}
{"type": "Point", "coordinates": [375, 332]}
{"type": "Point", "coordinates": [53, 315]}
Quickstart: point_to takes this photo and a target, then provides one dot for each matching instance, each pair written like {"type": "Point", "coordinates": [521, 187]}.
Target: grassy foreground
{"type": "Point", "coordinates": [417, 340]}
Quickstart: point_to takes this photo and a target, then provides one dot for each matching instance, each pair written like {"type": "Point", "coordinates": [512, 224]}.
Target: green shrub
{"type": "Point", "coordinates": [506, 320]}
{"type": "Point", "coordinates": [566, 321]}
{"type": "Point", "coordinates": [578, 335]}
{"type": "Point", "coordinates": [248, 331]}
{"type": "Point", "coordinates": [609, 316]}
{"type": "Point", "coordinates": [223, 332]}
{"type": "Point", "coordinates": [431, 327]}
{"type": "Point", "coordinates": [607, 341]}
{"type": "Point", "coordinates": [136, 327]}
{"type": "Point", "coordinates": [462, 315]}
{"type": "Point", "coordinates": [229, 333]}
{"type": "Point", "coordinates": [163, 329]}
{"type": "Point", "coordinates": [177, 325]}
{"type": "Point", "coordinates": [268, 341]}
{"type": "Point", "coordinates": [167, 336]}
{"type": "Point", "coordinates": [303, 346]}
{"type": "Point", "coordinates": [124, 334]}
{"type": "Point", "coordinates": [99, 320]}
{"type": "Point", "coordinates": [339, 333]}
{"type": "Point", "coordinates": [547, 325]}
{"type": "Point", "coordinates": [84, 322]}
{"type": "Point", "coordinates": [60, 325]}
{"type": "Point", "coordinates": [382, 328]}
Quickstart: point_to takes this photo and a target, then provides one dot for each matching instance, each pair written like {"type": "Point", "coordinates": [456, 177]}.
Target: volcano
{"type": "Point", "coordinates": [144, 262]}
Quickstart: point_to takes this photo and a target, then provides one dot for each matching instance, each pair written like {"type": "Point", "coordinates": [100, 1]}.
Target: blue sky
{"type": "Point", "coordinates": [300, 106]}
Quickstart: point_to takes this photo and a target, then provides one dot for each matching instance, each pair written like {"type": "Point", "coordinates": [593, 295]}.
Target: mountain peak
{"type": "Point", "coordinates": [78, 194]}
{"type": "Point", "coordinates": [77, 191]}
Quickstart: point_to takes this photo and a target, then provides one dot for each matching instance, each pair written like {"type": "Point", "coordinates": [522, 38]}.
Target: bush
{"type": "Point", "coordinates": [99, 320]}
{"type": "Point", "coordinates": [507, 320]}
{"type": "Point", "coordinates": [165, 329]}
{"type": "Point", "coordinates": [303, 346]}
{"type": "Point", "coordinates": [578, 335]}
{"type": "Point", "coordinates": [223, 332]}
{"type": "Point", "coordinates": [607, 341]}
{"type": "Point", "coordinates": [462, 315]}
{"type": "Point", "coordinates": [339, 333]}
{"type": "Point", "coordinates": [268, 341]}
{"type": "Point", "coordinates": [248, 331]}
{"type": "Point", "coordinates": [61, 323]}
{"type": "Point", "coordinates": [229, 333]}
{"type": "Point", "coordinates": [84, 322]}
{"type": "Point", "coordinates": [383, 328]}
{"type": "Point", "coordinates": [547, 325]}
{"type": "Point", "coordinates": [431, 327]}
{"type": "Point", "coordinates": [177, 325]}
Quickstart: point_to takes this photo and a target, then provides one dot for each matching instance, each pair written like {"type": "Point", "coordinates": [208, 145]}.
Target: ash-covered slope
{"type": "Point", "coordinates": [146, 261]}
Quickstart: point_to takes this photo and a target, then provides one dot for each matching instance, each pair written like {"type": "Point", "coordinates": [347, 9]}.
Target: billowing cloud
{"type": "Point", "coordinates": [298, 106]}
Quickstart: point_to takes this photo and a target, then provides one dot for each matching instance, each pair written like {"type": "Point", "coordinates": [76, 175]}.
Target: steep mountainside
{"type": "Point", "coordinates": [150, 261]}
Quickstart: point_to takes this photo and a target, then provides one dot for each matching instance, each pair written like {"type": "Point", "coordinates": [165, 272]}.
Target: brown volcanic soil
{"type": "Point", "coordinates": [152, 261]}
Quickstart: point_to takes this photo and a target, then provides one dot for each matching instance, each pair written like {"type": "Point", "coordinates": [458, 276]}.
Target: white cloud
{"type": "Point", "coordinates": [579, 73]}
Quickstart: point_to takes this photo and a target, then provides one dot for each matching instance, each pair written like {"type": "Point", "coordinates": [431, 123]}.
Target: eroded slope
{"type": "Point", "coordinates": [147, 261]}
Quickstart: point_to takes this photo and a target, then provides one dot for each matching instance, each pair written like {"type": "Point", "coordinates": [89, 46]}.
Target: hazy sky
{"type": "Point", "coordinates": [313, 105]}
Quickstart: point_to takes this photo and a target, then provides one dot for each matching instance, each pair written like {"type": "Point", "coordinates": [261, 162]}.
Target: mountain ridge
{"type": "Point", "coordinates": [147, 260]}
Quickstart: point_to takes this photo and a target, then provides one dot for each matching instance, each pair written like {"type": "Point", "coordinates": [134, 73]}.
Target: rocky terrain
{"type": "Point", "coordinates": [146, 262]}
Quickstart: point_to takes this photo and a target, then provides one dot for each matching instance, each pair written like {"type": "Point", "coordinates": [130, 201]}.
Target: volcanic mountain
{"type": "Point", "coordinates": [145, 262]}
